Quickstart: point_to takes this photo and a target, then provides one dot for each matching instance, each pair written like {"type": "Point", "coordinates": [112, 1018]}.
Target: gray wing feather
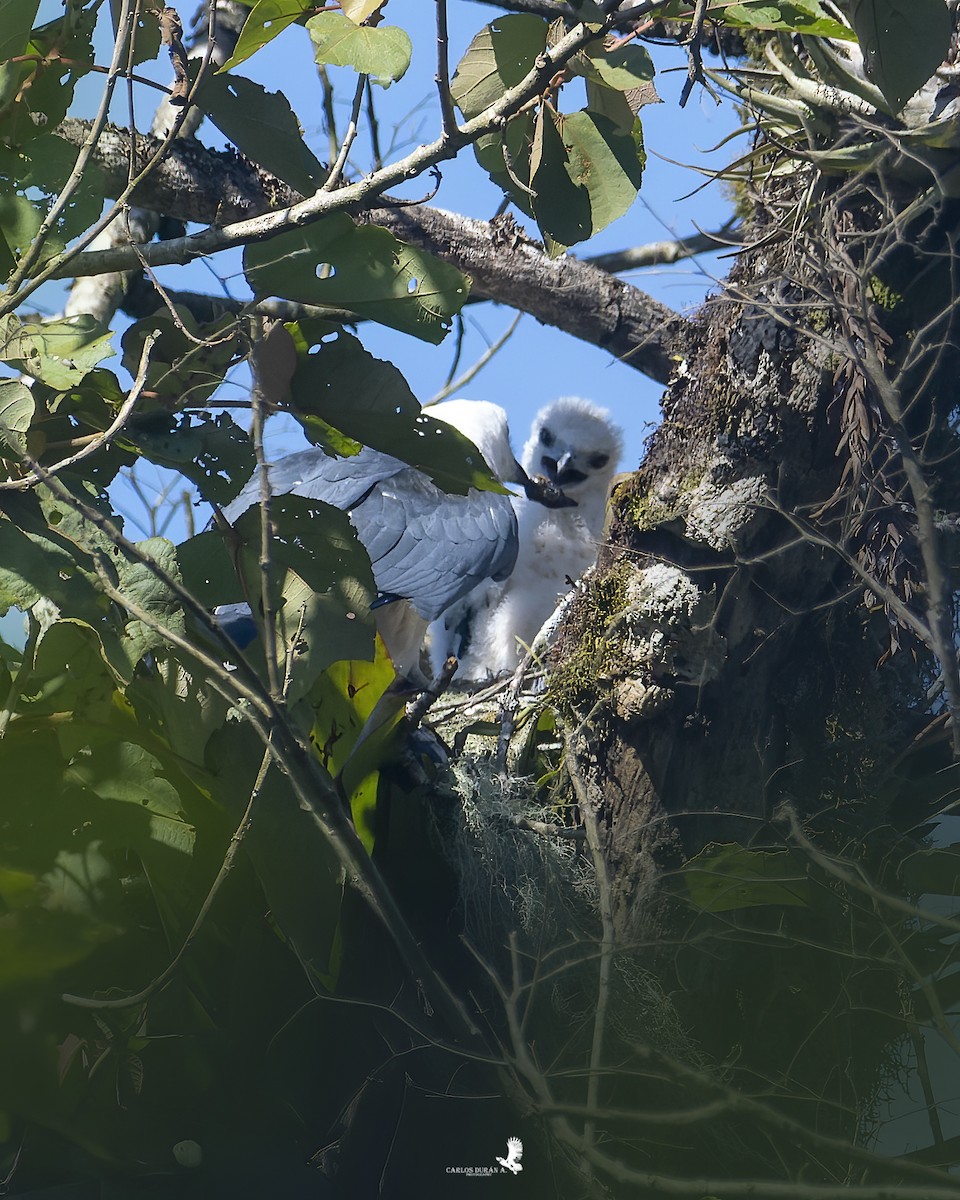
{"type": "Point", "coordinates": [341, 482]}
{"type": "Point", "coordinates": [430, 547]}
{"type": "Point", "coordinates": [425, 546]}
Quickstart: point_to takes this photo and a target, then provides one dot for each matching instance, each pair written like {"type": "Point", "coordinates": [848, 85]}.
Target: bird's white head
{"type": "Point", "coordinates": [485, 424]}
{"type": "Point", "coordinates": [575, 445]}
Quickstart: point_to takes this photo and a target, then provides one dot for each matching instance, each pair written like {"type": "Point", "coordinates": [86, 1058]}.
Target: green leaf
{"type": "Point", "coordinates": [629, 66]}
{"type": "Point", "coordinates": [16, 21]}
{"type": "Point", "coordinates": [70, 671]}
{"type": "Point", "coordinates": [263, 125]}
{"type": "Point", "coordinates": [605, 102]}
{"type": "Point", "coordinates": [499, 57]}
{"type": "Point", "coordinates": [301, 876]}
{"type": "Point", "coordinates": [141, 585]}
{"type": "Point", "coordinates": [264, 22]}
{"type": "Point", "coordinates": [722, 878]}
{"type": "Point", "coordinates": [212, 451]}
{"type": "Point", "coordinates": [796, 16]}
{"type": "Point", "coordinates": [561, 207]}
{"type": "Point", "coordinates": [50, 94]}
{"type": "Point", "coordinates": [209, 570]}
{"type": "Point", "coordinates": [321, 582]}
{"type": "Point", "coordinates": [16, 413]}
{"type": "Point", "coordinates": [370, 272]}
{"type": "Point", "coordinates": [511, 145]}
{"type": "Point", "coordinates": [368, 400]}
{"type": "Point", "coordinates": [129, 774]}
{"type": "Point", "coordinates": [383, 53]}
{"type": "Point", "coordinates": [903, 43]}
{"type": "Point", "coordinates": [355, 731]}
{"type": "Point", "coordinates": [324, 615]}
{"type": "Point", "coordinates": [58, 352]}
{"type": "Point", "coordinates": [586, 174]}
{"type": "Point", "coordinates": [19, 222]}
{"type": "Point", "coordinates": [30, 566]}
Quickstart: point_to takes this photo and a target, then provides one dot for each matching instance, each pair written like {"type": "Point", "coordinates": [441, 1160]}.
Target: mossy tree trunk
{"type": "Point", "coordinates": [761, 704]}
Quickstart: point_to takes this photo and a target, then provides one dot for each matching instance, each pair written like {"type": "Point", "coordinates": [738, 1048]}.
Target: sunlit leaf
{"type": "Point", "coordinates": [499, 57]}
{"type": "Point", "coordinates": [723, 878]}
{"type": "Point", "coordinates": [382, 53]}
{"type": "Point", "coordinates": [359, 10]}
{"type": "Point", "coordinates": [264, 22]}
{"type": "Point", "coordinates": [796, 16]}
{"type": "Point", "coordinates": [628, 66]}
{"type": "Point", "coordinates": [59, 352]}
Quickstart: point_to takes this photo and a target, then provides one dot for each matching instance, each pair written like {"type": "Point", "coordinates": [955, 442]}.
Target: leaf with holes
{"type": "Point", "coordinates": [58, 352]}
{"type": "Point", "coordinates": [367, 399]}
{"type": "Point", "coordinates": [368, 271]}
{"type": "Point", "coordinates": [265, 21]}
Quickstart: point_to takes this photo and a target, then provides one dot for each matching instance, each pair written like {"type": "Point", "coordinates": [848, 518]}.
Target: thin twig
{"type": "Point", "coordinates": [32, 253]}
{"type": "Point", "coordinates": [442, 78]}
{"type": "Point", "coordinates": [417, 709]}
{"type": "Point", "coordinates": [695, 60]}
{"type": "Point", "coordinates": [591, 822]}
{"type": "Point", "coordinates": [266, 530]}
{"type": "Point", "coordinates": [473, 371]}
{"type": "Point", "coordinates": [350, 136]}
{"type": "Point", "coordinates": [14, 295]}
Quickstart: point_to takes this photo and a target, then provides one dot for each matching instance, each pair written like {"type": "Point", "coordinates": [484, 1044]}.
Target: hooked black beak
{"type": "Point", "coordinates": [562, 473]}
{"type": "Point", "coordinates": [544, 492]}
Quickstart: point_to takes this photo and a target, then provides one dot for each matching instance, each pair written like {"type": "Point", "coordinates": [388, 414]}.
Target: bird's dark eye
{"type": "Point", "coordinates": [599, 460]}
{"type": "Point", "coordinates": [546, 436]}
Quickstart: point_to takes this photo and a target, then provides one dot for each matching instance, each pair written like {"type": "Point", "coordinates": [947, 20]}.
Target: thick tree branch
{"type": "Point", "coordinates": [196, 184]}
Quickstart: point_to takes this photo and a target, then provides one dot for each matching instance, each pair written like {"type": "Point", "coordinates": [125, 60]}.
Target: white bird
{"type": "Point", "coordinates": [514, 1154]}
{"type": "Point", "coordinates": [428, 548]}
{"type": "Point", "coordinates": [577, 447]}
